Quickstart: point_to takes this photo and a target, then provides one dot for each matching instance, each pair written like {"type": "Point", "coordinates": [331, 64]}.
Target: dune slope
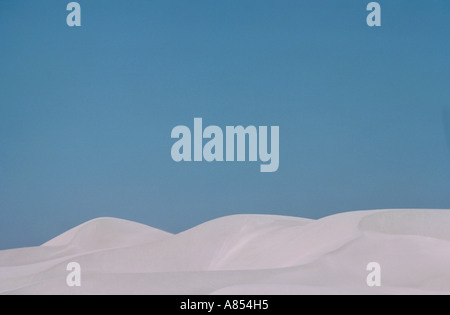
{"type": "Point", "coordinates": [243, 254]}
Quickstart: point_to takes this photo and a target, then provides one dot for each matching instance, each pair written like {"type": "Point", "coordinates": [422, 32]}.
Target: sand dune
{"type": "Point", "coordinates": [243, 254]}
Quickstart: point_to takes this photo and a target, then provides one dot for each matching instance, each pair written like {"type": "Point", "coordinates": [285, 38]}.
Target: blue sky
{"type": "Point", "coordinates": [86, 113]}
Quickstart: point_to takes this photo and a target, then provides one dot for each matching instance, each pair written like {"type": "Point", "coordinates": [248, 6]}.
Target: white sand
{"type": "Point", "coordinates": [243, 254]}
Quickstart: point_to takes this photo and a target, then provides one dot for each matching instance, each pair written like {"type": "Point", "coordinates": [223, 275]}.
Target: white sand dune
{"type": "Point", "coordinates": [243, 254]}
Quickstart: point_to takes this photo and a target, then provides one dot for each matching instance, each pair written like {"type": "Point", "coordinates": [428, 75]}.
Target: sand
{"type": "Point", "coordinates": [243, 254]}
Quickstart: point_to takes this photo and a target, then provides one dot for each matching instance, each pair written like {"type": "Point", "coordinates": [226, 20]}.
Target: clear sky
{"type": "Point", "coordinates": [86, 113]}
